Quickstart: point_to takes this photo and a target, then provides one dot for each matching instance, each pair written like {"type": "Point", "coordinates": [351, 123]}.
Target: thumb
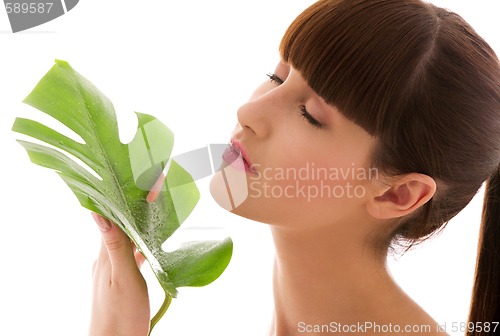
{"type": "Point", "coordinates": [116, 244]}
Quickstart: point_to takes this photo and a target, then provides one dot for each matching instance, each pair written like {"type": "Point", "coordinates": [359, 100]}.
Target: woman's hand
{"type": "Point", "coordinates": [120, 304]}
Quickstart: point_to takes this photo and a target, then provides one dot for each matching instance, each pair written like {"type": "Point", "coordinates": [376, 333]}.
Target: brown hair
{"type": "Point", "coordinates": [423, 82]}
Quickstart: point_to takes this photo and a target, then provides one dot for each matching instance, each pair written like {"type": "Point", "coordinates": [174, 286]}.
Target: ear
{"type": "Point", "coordinates": [402, 197]}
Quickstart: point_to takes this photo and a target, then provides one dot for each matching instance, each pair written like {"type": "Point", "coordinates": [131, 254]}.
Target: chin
{"type": "Point", "coordinates": [234, 197]}
{"type": "Point", "coordinates": [229, 188]}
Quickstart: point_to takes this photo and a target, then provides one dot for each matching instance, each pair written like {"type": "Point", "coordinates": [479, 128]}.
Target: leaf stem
{"type": "Point", "coordinates": [161, 312]}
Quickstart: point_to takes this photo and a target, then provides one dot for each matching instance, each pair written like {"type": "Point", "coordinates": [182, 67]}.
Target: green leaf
{"type": "Point", "coordinates": [198, 263]}
{"type": "Point", "coordinates": [126, 173]}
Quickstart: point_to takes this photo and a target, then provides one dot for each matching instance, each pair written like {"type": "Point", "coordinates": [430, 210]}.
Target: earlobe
{"type": "Point", "coordinates": [402, 197]}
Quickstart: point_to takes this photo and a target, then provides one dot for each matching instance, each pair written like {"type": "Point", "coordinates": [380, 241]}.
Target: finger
{"type": "Point", "coordinates": [103, 225]}
{"type": "Point", "coordinates": [139, 258]}
{"type": "Point", "coordinates": [116, 244]}
{"type": "Point", "coordinates": [156, 189]}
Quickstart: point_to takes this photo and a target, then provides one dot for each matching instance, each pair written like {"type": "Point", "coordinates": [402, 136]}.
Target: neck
{"type": "Point", "coordinates": [322, 276]}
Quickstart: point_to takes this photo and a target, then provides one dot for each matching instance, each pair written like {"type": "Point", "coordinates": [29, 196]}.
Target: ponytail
{"type": "Point", "coordinates": [485, 304]}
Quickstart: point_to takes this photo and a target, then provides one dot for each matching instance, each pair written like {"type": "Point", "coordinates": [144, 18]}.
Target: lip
{"type": "Point", "coordinates": [236, 156]}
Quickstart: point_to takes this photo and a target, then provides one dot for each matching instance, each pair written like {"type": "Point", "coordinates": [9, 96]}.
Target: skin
{"type": "Point", "coordinates": [327, 266]}
{"type": "Point", "coordinates": [120, 302]}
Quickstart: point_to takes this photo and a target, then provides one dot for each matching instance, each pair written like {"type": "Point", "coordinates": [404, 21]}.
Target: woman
{"type": "Point", "coordinates": [378, 126]}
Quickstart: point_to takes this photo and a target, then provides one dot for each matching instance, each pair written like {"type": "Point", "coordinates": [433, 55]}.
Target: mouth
{"type": "Point", "coordinates": [235, 156]}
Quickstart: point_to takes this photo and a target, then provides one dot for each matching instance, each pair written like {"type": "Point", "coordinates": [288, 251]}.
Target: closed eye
{"type": "Point", "coordinates": [306, 115]}
{"type": "Point", "coordinates": [275, 78]}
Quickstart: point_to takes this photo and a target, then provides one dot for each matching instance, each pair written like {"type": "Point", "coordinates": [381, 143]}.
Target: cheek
{"type": "Point", "coordinates": [307, 176]}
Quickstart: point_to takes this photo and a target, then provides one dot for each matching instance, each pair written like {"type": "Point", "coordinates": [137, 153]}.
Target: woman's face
{"type": "Point", "coordinates": [294, 159]}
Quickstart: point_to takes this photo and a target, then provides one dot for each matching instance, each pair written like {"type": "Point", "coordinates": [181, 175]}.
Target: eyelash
{"type": "Point", "coordinates": [306, 115]}
{"type": "Point", "coordinates": [303, 111]}
{"type": "Point", "coordinates": [275, 78]}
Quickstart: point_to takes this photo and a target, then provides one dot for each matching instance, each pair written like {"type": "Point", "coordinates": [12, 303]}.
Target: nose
{"type": "Point", "coordinates": [259, 114]}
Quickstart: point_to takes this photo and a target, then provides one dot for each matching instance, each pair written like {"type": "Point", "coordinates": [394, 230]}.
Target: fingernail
{"type": "Point", "coordinates": [156, 189]}
{"type": "Point", "coordinates": [102, 223]}
{"type": "Point", "coordinates": [152, 196]}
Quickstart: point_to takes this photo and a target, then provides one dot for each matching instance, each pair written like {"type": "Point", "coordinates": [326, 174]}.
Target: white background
{"type": "Point", "coordinates": [191, 64]}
